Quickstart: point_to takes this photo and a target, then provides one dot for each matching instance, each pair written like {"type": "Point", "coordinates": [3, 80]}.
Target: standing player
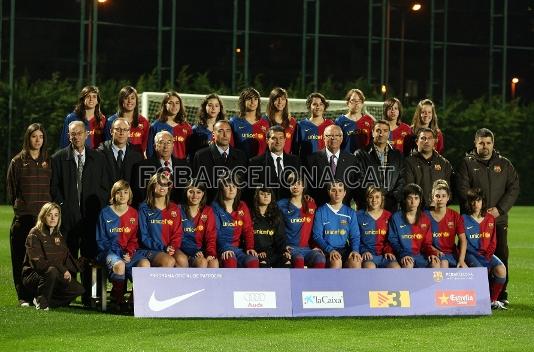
{"type": "Point", "coordinates": [210, 111]}
{"type": "Point", "coordinates": [160, 226]}
{"type": "Point", "coordinates": [399, 131]}
{"type": "Point", "coordinates": [234, 227]}
{"type": "Point", "coordinates": [446, 226]}
{"type": "Point", "coordinates": [373, 223]}
{"type": "Point", "coordinates": [28, 189]}
{"type": "Point", "coordinates": [249, 128]}
{"type": "Point", "coordinates": [298, 213]}
{"type": "Point", "coordinates": [336, 231]}
{"type": "Point", "coordinates": [116, 239]}
{"type": "Point", "coordinates": [278, 114]}
{"type": "Point", "coordinates": [481, 236]}
{"type": "Point", "coordinates": [356, 125]}
{"type": "Point", "coordinates": [88, 111]}
{"type": "Point", "coordinates": [198, 222]}
{"type": "Point", "coordinates": [171, 117]}
{"type": "Point", "coordinates": [309, 138]}
{"type": "Point", "coordinates": [269, 230]}
{"type": "Point", "coordinates": [128, 109]}
{"type": "Point", "coordinates": [410, 232]}
{"type": "Point", "coordinates": [424, 117]}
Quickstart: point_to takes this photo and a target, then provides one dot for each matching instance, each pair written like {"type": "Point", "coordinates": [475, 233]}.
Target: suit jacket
{"type": "Point", "coordinates": [143, 171]}
{"type": "Point", "coordinates": [95, 194]}
{"type": "Point", "coordinates": [265, 167]}
{"type": "Point", "coordinates": [346, 171]}
{"type": "Point", "coordinates": [129, 160]}
{"type": "Point", "coordinates": [207, 160]}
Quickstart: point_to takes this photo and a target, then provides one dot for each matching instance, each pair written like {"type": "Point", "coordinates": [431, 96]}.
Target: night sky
{"type": "Point", "coordinates": [47, 37]}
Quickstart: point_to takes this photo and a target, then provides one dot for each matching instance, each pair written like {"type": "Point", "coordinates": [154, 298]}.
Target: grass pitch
{"type": "Point", "coordinates": [76, 329]}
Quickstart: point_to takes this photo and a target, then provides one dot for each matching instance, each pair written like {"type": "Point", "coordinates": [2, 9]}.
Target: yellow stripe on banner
{"type": "Point", "coordinates": [389, 299]}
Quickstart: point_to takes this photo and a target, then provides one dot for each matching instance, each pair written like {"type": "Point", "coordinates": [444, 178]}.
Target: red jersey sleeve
{"type": "Point", "coordinates": [248, 230]}
{"type": "Point", "coordinates": [132, 244]}
{"type": "Point", "coordinates": [210, 239]}
{"type": "Point", "coordinates": [177, 232]}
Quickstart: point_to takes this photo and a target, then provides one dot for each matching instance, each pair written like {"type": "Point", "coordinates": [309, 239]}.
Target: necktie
{"type": "Point", "coordinates": [225, 156]}
{"type": "Point", "coordinates": [167, 166]}
{"type": "Point", "coordinates": [279, 167]}
{"type": "Point", "coordinates": [79, 174]}
{"type": "Point", "coordinates": [119, 159]}
{"type": "Point", "coordinates": [333, 164]}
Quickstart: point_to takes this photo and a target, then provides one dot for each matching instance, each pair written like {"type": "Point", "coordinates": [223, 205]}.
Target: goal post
{"type": "Point", "coordinates": [150, 102]}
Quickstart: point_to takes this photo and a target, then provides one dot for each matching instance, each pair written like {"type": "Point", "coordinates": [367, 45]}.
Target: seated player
{"type": "Point", "coordinates": [298, 213]}
{"type": "Point", "coordinates": [480, 231]}
{"type": "Point", "coordinates": [410, 231]}
{"type": "Point", "coordinates": [269, 230]}
{"type": "Point", "coordinates": [160, 226]}
{"type": "Point", "coordinates": [446, 226]}
{"type": "Point", "coordinates": [336, 231]}
{"type": "Point", "coordinates": [49, 269]}
{"type": "Point", "coordinates": [116, 239]}
{"type": "Point", "coordinates": [373, 222]}
{"type": "Point", "coordinates": [198, 223]}
{"type": "Point", "coordinates": [234, 227]}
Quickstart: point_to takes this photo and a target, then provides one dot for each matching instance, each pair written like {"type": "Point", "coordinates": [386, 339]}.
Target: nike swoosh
{"type": "Point", "coordinates": [156, 305]}
{"type": "Point", "coordinates": [402, 226]}
{"type": "Point", "coordinates": [306, 130]}
{"type": "Point", "coordinates": [241, 127]}
{"type": "Point", "coordinates": [150, 214]}
{"type": "Point", "coordinates": [108, 221]}
{"type": "Point", "coordinates": [469, 227]}
{"type": "Point", "coordinates": [365, 224]}
{"type": "Point", "coordinates": [325, 223]}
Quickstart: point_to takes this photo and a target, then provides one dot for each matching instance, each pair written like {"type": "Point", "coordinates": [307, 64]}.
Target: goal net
{"type": "Point", "coordinates": [150, 103]}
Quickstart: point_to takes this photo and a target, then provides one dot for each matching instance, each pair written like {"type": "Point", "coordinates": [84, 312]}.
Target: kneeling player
{"type": "Point", "coordinates": [336, 231]}
{"type": "Point", "coordinates": [481, 243]}
{"type": "Point", "coordinates": [234, 226]}
{"type": "Point", "coordinates": [198, 223]}
{"type": "Point", "coordinates": [373, 223]}
{"type": "Point", "coordinates": [446, 226]}
{"type": "Point", "coordinates": [298, 213]}
{"type": "Point", "coordinates": [410, 232]}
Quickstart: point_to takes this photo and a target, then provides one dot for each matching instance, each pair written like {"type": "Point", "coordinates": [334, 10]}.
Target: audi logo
{"type": "Point", "coordinates": [254, 297]}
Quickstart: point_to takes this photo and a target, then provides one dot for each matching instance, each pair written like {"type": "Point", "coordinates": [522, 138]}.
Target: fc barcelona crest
{"type": "Point", "coordinates": [241, 213]}
{"type": "Point", "coordinates": [423, 226]}
{"type": "Point", "coordinates": [437, 167]}
{"type": "Point", "coordinates": [203, 217]}
{"type": "Point", "coordinates": [437, 276]}
{"type": "Point", "coordinates": [44, 164]}
{"type": "Point", "coordinates": [497, 168]}
{"type": "Point", "coordinates": [311, 211]}
{"type": "Point", "coordinates": [288, 135]}
{"type": "Point", "coordinates": [173, 214]}
{"type": "Point", "coordinates": [132, 221]}
{"type": "Point", "coordinates": [57, 241]}
{"type": "Point", "coordinates": [450, 224]}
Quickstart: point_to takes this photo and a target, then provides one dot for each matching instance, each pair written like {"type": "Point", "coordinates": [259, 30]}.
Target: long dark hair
{"type": "Point", "coordinates": [388, 104]}
{"type": "Point", "coordinates": [472, 196]}
{"type": "Point", "coordinates": [246, 94]}
{"type": "Point", "coordinates": [272, 214]}
{"type": "Point", "coordinates": [195, 184]}
{"type": "Point", "coordinates": [123, 95]}
{"type": "Point", "coordinates": [25, 153]}
{"type": "Point", "coordinates": [275, 94]}
{"type": "Point", "coordinates": [203, 115]}
{"type": "Point", "coordinates": [163, 114]}
{"type": "Point", "coordinates": [220, 193]}
{"type": "Point", "coordinates": [79, 109]}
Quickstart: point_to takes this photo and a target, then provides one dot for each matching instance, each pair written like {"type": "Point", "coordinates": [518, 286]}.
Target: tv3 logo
{"type": "Point", "coordinates": [389, 299]}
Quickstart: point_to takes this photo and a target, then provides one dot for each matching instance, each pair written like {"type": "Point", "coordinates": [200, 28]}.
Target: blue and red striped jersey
{"type": "Point", "coordinates": [481, 238]}
{"type": "Point", "coordinates": [398, 135]}
{"type": "Point", "coordinates": [356, 134]}
{"type": "Point", "coordinates": [250, 138]}
{"type": "Point", "coordinates": [298, 222]}
{"type": "Point", "coordinates": [233, 228]}
{"type": "Point", "coordinates": [410, 239]}
{"type": "Point", "coordinates": [309, 138]}
{"type": "Point", "coordinates": [445, 231]}
{"type": "Point", "coordinates": [117, 234]}
{"type": "Point", "coordinates": [374, 233]}
{"type": "Point", "coordinates": [159, 229]}
{"type": "Point", "coordinates": [200, 233]}
{"type": "Point", "coordinates": [180, 133]}
{"type": "Point", "coordinates": [335, 230]}
{"type": "Point", "coordinates": [95, 131]}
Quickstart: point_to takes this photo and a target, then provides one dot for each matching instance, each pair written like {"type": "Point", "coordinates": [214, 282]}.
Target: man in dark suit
{"type": "Point", "coordinates": [119, 155]}
{"type": "Point", "coordinates": [381, 166]}
{"type": "Point", "coordinates": [332, 164]}
{"type": "Point", "coordinates": [274, 167]}
{"type": "Point", "coordinates": [212, 163]}
{"type": "Point", "coordinates": [161, 161]}
{"type": "Point", "coordinates": [77, 174]}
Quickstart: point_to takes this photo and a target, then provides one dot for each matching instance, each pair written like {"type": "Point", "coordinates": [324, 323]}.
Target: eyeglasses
{"type": "Point", "coordinates": [76, 134]}
{"type": "Point", "coordinates": [121, 130]}
{"type": "Point", "coordinates": [164, 142]}
{"type": "Point", "coordinates": [332, 136]}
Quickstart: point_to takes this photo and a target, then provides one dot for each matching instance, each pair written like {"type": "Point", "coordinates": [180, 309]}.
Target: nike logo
{"type": "Point", "coordinates": [475, 169]}
{"type": "Point", "coordinates": [402, 226]}
{"type": "Point", "coordinates": [156, 305]}
{"type": "Point", "coordinates": [241, 127]}
{"type": "Point", "coordinates": [108, 221]}
{"type": "Point", "coordinates": [150, 214]}
{"type": "Point", "coordinates": [325, 223]}
{"type": "Point", "coordinates": [365, 224]}
{"type": "Point", "coordinates": [307, 129]}
{"type": "Point", "coordinates": [469, 227]}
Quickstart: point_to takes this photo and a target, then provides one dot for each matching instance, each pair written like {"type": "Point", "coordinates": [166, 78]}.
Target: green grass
{"type": "Point", "coordinates": [77, 329]}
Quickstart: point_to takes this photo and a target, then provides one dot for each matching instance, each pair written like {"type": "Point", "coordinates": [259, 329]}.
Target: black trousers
{"type": "Point", "coordinates": [51, 289]}
{"type": "Point", "coordinates": [20, 227]}
{"type": "Point", "coordinates": [502, 252]}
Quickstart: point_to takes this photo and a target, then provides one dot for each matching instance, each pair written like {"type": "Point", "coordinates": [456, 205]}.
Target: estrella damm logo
{"type": "Point", "coordinates": [454, 298]}
{"type": "Point", "coordinates": [389, 299]}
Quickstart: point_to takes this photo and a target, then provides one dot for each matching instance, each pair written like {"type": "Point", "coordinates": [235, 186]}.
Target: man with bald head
{"type": "Point", "coordinates": [330, 164]}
